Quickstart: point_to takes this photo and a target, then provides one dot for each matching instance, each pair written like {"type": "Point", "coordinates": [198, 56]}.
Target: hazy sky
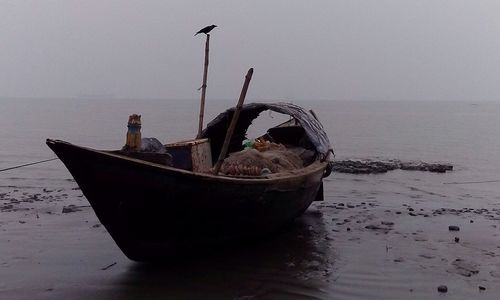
{"type": "Point", "coordinates": [372, 49]}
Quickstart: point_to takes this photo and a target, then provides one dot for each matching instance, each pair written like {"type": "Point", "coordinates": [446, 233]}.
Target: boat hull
{"type": "Point", "coordinates": [155, 212]}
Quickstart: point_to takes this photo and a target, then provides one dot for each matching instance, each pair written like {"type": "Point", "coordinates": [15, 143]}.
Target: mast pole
{"type": "Point", "coordinates": [203, 87]}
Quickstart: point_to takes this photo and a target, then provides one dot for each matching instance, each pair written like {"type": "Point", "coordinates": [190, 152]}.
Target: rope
{"type": "Point", "coordinates": [468, 182]}
{"type": "Point", "coordinates": [25, 165]}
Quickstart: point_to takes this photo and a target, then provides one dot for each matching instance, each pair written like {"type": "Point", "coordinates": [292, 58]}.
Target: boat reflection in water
{"type": "Point", "coordinates": [295, 263]}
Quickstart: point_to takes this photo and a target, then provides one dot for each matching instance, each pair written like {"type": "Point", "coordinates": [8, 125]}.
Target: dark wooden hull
{"type": "Point", "coordinates": [156, 212]}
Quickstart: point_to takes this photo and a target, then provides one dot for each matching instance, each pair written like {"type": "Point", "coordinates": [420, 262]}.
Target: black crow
{"type": "Point", "coordinates": [206, 30]}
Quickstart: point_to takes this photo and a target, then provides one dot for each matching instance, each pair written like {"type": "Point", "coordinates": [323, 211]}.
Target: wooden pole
{"type": "Point", "coordinates": [203, 87]}
{"type": "Point", "coordinates": [232, 126]}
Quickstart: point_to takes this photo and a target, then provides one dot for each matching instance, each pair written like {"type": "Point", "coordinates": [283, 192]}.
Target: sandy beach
{"type": "Point", "coordinates": [381, 236]}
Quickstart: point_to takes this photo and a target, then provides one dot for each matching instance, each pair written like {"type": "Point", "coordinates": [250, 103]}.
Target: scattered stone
{"type": "Point", "coordinates": [410, 209]}
{"type": "Point", "coordinates": [6, 207]}
{"type": "Point", "coordinates": [442, 289]}
{"type": "Point", "coordinates": [472, 221]}
{"type": "Point", "coordinates": [463, 268]}
{"type": "Point", "coordinates": [482, 288]}
{"type": "Point", "coordinates": [457, 239]}
{"type": "Point", "coordinates": [412, 214]}
{"type": "Point", "coordinates": [387, 223]}
{"type": "Point", "coordinates": [376, 227]}
{"type": "Point", "coordinates": [348, 229]}
{"type": "Point", "coordinates": [70, 208]}
{"type": "Point", "coordinates": [453, 228]}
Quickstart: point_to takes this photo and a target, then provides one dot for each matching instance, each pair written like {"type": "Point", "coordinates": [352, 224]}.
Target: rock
{"type": "Point", "coordinates": [457, 239]}
{"type": "Point", "coordinates": [387, 223]}
{"type": "Point", "coordinates": [471, 221]}
{"type": "Point", "coordinates": [442, 289]}
{"type": "Point", "coordinates": [482, 288]}
{"type": "Point", "coordinates": [453, 228]}
{"type": "Point", "coordinates": [368, 166]}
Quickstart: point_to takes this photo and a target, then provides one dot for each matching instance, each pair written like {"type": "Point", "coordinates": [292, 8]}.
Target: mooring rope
{"type": "Point", "coordinates": [469, 182]}
{"type": "Point", "coordinates": [29, 164]}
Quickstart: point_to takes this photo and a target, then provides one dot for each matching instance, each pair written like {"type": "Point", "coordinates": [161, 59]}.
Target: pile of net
{"type": "Point", "coordinates": [252, 162]}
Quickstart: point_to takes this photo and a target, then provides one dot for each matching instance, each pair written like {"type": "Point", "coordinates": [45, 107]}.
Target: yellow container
{"type": "Point", "coordinates": [133, 133]}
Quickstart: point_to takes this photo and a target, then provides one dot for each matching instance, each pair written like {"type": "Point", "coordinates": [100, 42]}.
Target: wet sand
{"type": "Point", "coordinates": [374, 237]}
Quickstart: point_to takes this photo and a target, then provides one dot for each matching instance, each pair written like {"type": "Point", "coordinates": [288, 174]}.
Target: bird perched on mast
{"type": "Point", "coordinates": [206, 30]}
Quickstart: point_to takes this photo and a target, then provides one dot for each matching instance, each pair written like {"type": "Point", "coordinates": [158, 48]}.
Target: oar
{"type": "Point", "coordinates": [232, 126]}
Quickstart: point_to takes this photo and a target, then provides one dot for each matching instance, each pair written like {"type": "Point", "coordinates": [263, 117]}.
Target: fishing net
{"type": "Point", "coordinates": [252, 162]}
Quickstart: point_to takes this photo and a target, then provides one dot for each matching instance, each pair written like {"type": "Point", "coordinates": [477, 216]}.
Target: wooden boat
{"type": "Point", "coordinates": [154, 211]}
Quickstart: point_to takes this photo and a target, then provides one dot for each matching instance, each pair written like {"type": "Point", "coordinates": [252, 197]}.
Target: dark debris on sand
{"type": "Point", "coordinates": [369, 166]}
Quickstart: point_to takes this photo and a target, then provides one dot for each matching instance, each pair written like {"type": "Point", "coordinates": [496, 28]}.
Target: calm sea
{"type": "Point", "coordinates": [465, 134]}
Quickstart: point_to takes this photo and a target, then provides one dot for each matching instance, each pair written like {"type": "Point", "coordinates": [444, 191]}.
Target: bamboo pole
{"type": "Point", "coordinates": [203, 87]}
{"type": "Point", "coordinates": [234, 120]}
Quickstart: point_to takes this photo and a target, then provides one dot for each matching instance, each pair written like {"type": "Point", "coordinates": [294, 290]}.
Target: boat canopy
{"type": "Point", "coordinates": [217, 128]}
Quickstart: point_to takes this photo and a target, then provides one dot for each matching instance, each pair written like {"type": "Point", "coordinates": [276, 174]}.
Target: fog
{"type": "Point", "coordinates": [343, 50]}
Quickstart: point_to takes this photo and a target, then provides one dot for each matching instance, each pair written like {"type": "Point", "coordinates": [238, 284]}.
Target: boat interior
{"type": "Point", "coordinates": [198, 155]}
{"type": "Point", "coordinates": [292, 145]}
